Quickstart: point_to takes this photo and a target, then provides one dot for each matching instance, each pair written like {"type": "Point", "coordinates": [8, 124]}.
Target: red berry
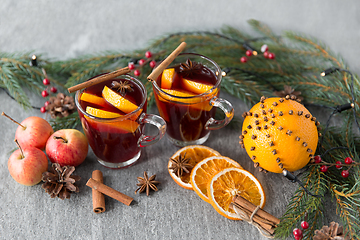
{"type": "Point", "coordinates": [317, 159]}
{"type": "Point", "coordinates": [266, 54]}
{"type": "Point", "coordinates": [271, 55]}
{"type": "Point", "coordinates": [297, 233]}
{"type": "Point", "coordinates": [345, 173]}
{"type": "Point", "coordinates": [46, 103]}
{"type": "Point", "coordinates": [152, 64]}
{"type": "Point", "coordinates": [243, 59]}
{"type": "Point", "coordinates": [348, 160]}
{"type": "Point", "coordinates": [264, 48]}
{"type": "Point", "coordinates": [141, 61]}
{"type": "Point", "coordinates": [53, 89]}
{"type": "Point", "coordinates": [131, 66]}
{"type": "Point", "coordinates": [248, 53]}
{"type": "Point", "coordinates": [46, 81]}
{"type": "Point", "coordinates": [137, 72]}
{"type": "Point", "coordinates": [338, 166]}
{"type": "Point", "coordinates": [44, 93]}
{"type": "Point", "coordinates": [148, 54]}
{"type": "Point", "coordinates": [43, 109]}
{"type": "Point", "coordinates": [304, 225]}
{"type": "Point", "coordinates": [324, 168]}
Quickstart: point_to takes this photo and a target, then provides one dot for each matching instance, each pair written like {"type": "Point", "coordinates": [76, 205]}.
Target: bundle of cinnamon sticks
{"type": "Point", "coordinates": [265, 222]}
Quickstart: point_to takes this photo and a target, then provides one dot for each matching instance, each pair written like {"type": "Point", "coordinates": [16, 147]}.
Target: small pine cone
{"type": "Point", "coordinates": [332, 232]}
{"type": "Point", "coordinates": [61, 106]}
{"type": "Point", "coordinates": [59, 182]}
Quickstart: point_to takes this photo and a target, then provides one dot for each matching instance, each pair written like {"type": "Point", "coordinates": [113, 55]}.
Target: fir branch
{"type": "Point", "coordinates": [71, 121]}
{"type": "Point", "coordinates": [265, 30]}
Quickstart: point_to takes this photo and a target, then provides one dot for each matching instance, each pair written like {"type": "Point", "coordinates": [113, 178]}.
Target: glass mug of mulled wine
{"type": "Point", "coordinates": [187, 95]}
{"type": "Point", "coordinates": [113, 116]}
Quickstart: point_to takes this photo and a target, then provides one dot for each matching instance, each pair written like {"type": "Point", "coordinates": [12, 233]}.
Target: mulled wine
{"type": "Point", "coordinates": [113, 114]}
{"type": "Point", "coordinates": [185, 94]}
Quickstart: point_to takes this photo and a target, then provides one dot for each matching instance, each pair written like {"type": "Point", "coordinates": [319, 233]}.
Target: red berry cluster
{"type": "Point", "coordinates": [141, 63]}
{"type": "Point", "coordinates": [264, 50]}
{"type": "Point", "coordinates": [45, 92]}
{"type": "Point", "coordinates": [339, 165]}
{"type": "Point", "coordinates": [298, 233]}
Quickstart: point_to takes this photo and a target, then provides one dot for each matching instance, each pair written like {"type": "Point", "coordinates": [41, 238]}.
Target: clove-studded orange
{"type": "Point", "coordinates": [279, 133]}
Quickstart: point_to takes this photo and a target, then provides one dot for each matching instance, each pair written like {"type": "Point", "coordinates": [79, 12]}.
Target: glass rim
{"type": "Point", "coordinates": [123, 117]}
{"type": "Point", "coordinates": [216, 85]}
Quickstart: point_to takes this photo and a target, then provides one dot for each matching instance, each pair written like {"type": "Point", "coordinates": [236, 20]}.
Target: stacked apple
{"type": "Point", "coordinates": [35, 134]}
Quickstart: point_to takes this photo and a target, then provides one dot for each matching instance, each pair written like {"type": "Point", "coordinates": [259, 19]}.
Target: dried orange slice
{"type": "Point", "coordinates": [101, 113]}
{"type": "Point", "coordinates": [195, 153]}
{"type": "Point", "coordinates": [196, 87]}
{"type": "Point", "coordinates": [202, 173]}
{"type": "Point", "coordinates": [118, 101]}
{"type": "Point", "coordinates": [167, 78]}
{"type": "Point", "coordinates": [228, 183]}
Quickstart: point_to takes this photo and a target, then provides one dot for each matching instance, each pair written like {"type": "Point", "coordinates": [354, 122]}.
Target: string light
{"type": "Point", "coordinates": [248, 47]}
{"type": "Point", "coordinates": [33, 60]}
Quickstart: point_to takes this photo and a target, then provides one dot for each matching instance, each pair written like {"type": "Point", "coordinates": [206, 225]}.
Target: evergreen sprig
{"type": "Point", "coordinates": [298, 63]}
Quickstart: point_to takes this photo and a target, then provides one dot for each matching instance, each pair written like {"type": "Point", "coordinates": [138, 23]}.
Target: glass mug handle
{"type": "Point", "coordinates": [226, 107]}
{"type": "Point", "coordinates": [158, 122]}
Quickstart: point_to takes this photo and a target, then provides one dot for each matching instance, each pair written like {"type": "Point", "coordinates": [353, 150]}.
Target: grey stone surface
{"type": "Point", "coordinates": [66, 29]}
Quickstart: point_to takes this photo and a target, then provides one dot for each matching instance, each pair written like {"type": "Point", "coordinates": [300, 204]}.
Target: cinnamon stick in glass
{"type": "Point", "coordinates": [99, 79]}
{"type": "Point", "coordinates": [164, 64]}
{"type": "Point", "coordinates": [109, 191]}
{"type": "Point", "coordinates": [97, 197]}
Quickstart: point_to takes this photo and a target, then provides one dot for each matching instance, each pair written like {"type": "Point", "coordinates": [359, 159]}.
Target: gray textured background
{"type": "Point", "coordinates": [66, 29]}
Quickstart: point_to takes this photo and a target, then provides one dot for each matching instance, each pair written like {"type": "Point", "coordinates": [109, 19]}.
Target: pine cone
{"type": "Point", "coordinates": [61, 105]}
{"type": "Point", "coordinates": [333, 232]}
{"type": "Point", "coordinates": [58, 181]}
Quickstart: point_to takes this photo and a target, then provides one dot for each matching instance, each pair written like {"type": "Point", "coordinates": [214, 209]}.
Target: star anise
{"type": "Point", "coordinates": [146, 183]}
{"type": "Point", "coordinates": [189, 68]}
{"type": "Point", "coordinates": [289, 91]}
{"type": "Point", "coordinates": [180, 165]}
{"type": "Point", "coordinates": [122, 87]}
{"type": "Point", "coordinates": [59, 182]}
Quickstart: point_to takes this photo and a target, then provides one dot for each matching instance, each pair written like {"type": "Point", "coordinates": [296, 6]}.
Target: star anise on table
{"type": "Point", "coordinates": [189, 68]}
{"type": "Point", "coordinates": [288, 90]}
{"type": "Point", "coordinates": [180, 165]}
{"type": "Point", "coordinates": [59, 182]}
{"type": "Point", "coordinates": [146, 183]}
{"type": "Point", "coordinates": [331, 232]}
{"type": "Point", "coordinates": [122, 87]}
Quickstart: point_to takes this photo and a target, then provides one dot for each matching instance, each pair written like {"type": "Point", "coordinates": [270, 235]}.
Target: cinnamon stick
{"type": "Point", "coordinates": [99, 79]}
{"type": "Point", "coordinates": [109, 191]}
{"type": "Point", "coordinates": [265, 222]}
{"type": "Point", "coordinates": [164, 64]}
{"type": "Point", "coordinates": [98, 197]}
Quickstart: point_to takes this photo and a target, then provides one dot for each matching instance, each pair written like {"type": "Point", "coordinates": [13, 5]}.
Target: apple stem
{"type": "Point", "coordinates": [17, 143]}
{"type": "Point", "coordinates": [56, 137]}
{"type": "Point", "coordinates": [4, 114]}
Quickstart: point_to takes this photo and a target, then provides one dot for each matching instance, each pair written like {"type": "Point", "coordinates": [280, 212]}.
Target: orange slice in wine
{"type": "Point", "coordinates": [101, 113]}
{"type": "Point", "coordinates": [91, 98]}
{"type": "Point", "coordinates": [196, 87]}
{"type": "Point", "coordinates": [167, 78]}
{"type": "Point", "coordinates": [118, 101]}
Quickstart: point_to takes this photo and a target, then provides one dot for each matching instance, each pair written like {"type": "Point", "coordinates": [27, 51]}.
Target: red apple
{"type": "Point", "coordinates": [32, 132]}
{"type": "Point", "coordinates": [67, 147]}
{"type": "Point", "coordinates": [27, 165]}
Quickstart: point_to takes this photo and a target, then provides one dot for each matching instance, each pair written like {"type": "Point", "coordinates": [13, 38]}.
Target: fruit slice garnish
{"type": "Point", "coordinates": [202, 173]}
{"type": "Point", "coordinates": [91, 98]}
{"type": "Point", "coordinates": [101, 113]}
{"type": "Point", "coordinates": [118, 101]}
{"type": "Point", "coordinates": [195, 153]}
{"type": "Point", "coordinates": [167, 78]}
{"type": "Point", "coordinates": [203, 105]}
{"type": "Point", "coordinates": [228, 183]}
{"type": "Point", "coordinates": [196, 87]}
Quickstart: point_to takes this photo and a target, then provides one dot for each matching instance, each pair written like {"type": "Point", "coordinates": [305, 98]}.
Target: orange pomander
{"type": "Point", "coordinates": [279, 133]}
